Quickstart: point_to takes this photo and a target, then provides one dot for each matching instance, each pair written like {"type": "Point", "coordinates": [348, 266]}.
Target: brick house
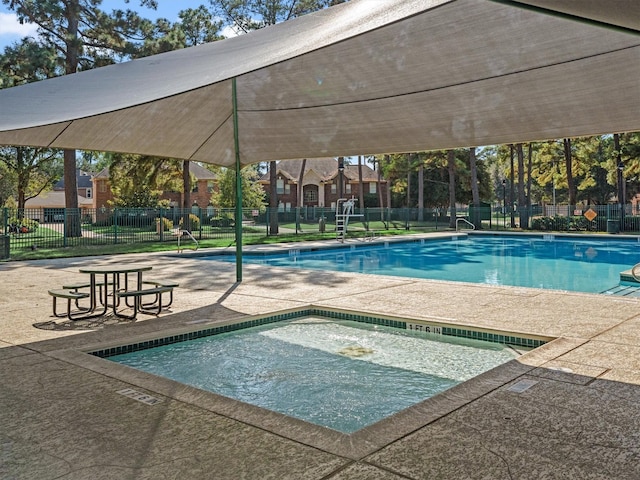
{"type": "Point", "coordinates": [203, 188]}
{"type": "Point", "coordinates": [320, 183]}
{"type": "Point", "coordinates": [83, 182]}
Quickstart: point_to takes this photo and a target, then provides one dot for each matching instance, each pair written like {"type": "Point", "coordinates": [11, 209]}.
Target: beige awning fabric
{"type": "Point", "coordinates": [364, 77]}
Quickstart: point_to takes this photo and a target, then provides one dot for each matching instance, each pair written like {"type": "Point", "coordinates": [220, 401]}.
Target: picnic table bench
{"type": "Point", "coordinates": [109, 285]}
{"type": "Point", "coordinates": [69, 295]}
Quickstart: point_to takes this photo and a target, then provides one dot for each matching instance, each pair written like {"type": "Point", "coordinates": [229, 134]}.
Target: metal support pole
{"type": "Point", "coordinates": [236, 142]}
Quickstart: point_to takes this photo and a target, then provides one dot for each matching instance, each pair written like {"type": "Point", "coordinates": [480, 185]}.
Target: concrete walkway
{"type": "Point", "coordinates": [568, 410]}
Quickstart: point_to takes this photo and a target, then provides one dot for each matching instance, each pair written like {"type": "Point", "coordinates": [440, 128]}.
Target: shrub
{"type": "Point", "coordinates": [223, 220]}
{"type": "Point", "coordinates": [24, 223]}
{"type": "Point", "coordinates": [167, 225]}
{"type": "Point", "coordinates": [194, 222]}
{"type": "Point", "coordinates": [556, 222]}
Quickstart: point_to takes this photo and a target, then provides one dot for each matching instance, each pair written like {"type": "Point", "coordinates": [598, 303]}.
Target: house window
{"type": "Point", "coordinates": [334, 188]}
{"type": "Point", "coordinates": [210, 186]}
{"type": "Point", "coordinates": [89, 193]}
{"type": "Point", "coordinates": [280, 186]}
{"type": "Point", "coordinates": [287, 189]}
{"type": "Point", "coordinates": [310, 196]}
{"type": "Point", "coordinates": [194, 188]}
{"type": "Point", "coordinates": [347, 188]}
{"type": "Point", "coordinates": [102, 187]}
{"type": "Point", "coordinates": [372, 187]}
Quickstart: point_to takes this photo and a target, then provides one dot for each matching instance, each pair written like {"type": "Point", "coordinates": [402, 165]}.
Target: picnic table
{"type": "Point", "coordinates": [111, 287]}
{"type": "Point", "coordinates": [116, 277]}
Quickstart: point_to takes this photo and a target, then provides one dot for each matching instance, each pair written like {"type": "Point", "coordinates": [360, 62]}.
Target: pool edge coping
{"type": "Point", "coordinates": [354, 446]}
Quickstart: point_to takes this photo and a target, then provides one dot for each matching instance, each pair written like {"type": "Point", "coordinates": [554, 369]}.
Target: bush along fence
{"type": "Point", "coordinates": [59, 228]}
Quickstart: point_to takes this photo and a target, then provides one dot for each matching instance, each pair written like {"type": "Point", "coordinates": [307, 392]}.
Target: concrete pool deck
{"type": "Point", "coordinates": [570, 409]}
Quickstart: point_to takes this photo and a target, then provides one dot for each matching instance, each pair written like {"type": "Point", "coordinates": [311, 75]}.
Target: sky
{"type": "Point", "coordinates": [11, 30]}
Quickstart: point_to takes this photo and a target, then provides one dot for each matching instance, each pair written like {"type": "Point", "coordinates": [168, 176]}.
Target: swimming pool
{"type": "Point", "coordinates": [343, 375]}
{"type": "Point", "coordinates": [560, 263]}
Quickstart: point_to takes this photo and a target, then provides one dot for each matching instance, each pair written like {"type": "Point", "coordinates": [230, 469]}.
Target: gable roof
{"type": "Point", "coordinates": [362, 77]}
{"type": "Point", "coordinates": [55, 199]}
{"type": "Point", "coordinates": [198, 171]}
{"type": "Point", "coordinates": [325, 168]}
{"type": "Point", "coordinates": [83, 180]}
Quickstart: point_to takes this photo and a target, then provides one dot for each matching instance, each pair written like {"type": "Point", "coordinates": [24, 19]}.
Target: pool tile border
{"type": "Point", "coordinates": [403, 324]}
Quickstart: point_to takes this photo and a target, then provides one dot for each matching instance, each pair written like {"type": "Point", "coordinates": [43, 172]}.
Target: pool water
{"type": "Point", "coordinates": [339, 374]}
{"type": "Point", "coordinates": [580, 265]}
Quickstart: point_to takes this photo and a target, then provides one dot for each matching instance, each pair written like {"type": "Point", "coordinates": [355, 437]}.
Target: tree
{"type": "Point", "coordinates": [83, 37]}
{"type": "Point", "coordinates": [253, 195]}
{"type": "Point", "coordinates": [34, 169]}
{"type": "Point", "coordinates": [7, 185]}
{"type": "Point", "coordinates": [194, 27]}
{"type": "Point", "coordinates": [138, 180]}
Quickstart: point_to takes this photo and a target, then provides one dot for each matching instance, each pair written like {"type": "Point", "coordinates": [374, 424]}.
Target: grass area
{"type": "Point", "coordinates": [250, 239]}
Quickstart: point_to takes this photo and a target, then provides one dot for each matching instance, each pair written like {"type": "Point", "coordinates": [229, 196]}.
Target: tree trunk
{"type": "Point", "coordinates": [421, 191]}
{"type": "Point", "coordinates": [620, 178]}
{"type": "Point", "coordinates": [72, 213]}
{"type": "Point", "coordinates": [476, 219]}
{"type": "Point", "coordinates": [300, 199]}
{"type": "Point", "coordinates": [360, 185]}
{"type": "Point", "coordinates": [380, 194]}
{"type": "Point", "coordinates": [529, 170]}
{"type": "Point", "coordinates": [451, 167]}
{"type": "Point", "coordinates": [409, 168]}
{"type": "Point", "coordinates": [511, 187]}
{"type": "Point", "coordinates": [340, 178]}
{"type": "Point", "coordinates": [72, 220]}
{"type": "Point", "coordinates": [273, 199]}
{"type": "Point", "coordinates": [568, 161]}
{"type": "Point", "coordinates": [23, 180]}
{"type": "Point", "coordinates": [387, 161]}
{"type": "Point", "coordinates": [186, 197]}
{"type": "Point", "coordinates": [522, 204]}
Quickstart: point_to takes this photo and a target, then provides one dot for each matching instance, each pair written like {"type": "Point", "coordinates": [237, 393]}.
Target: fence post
{"type": "Point", "coordinates": [115, 226]}
{"type": "Point", "coordinates": [64, 228]}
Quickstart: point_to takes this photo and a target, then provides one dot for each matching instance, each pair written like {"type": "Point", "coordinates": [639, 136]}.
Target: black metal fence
{"type": "Point", "coordinates": [57, 228]}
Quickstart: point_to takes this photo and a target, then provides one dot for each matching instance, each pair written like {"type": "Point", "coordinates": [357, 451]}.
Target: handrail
{"type": "Point", "coordinates": [635, 272]}
{"type": "Point", "coordinates": [186, 232]}
{"type": "Point", "coordinates": [473, 227]}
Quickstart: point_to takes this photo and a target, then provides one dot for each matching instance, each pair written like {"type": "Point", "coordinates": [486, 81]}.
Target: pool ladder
{"type": "Point", "coordinates": [458, 220]}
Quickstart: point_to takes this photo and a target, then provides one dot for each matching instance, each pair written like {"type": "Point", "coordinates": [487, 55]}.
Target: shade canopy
{"type": "Point", "coordinates": [364, 77]}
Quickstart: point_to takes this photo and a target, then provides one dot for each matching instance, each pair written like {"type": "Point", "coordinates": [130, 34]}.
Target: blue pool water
{"type": "Point", "coordinates": [574, 264]}
{"type": "Point", "coordinates": [339, 374]}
